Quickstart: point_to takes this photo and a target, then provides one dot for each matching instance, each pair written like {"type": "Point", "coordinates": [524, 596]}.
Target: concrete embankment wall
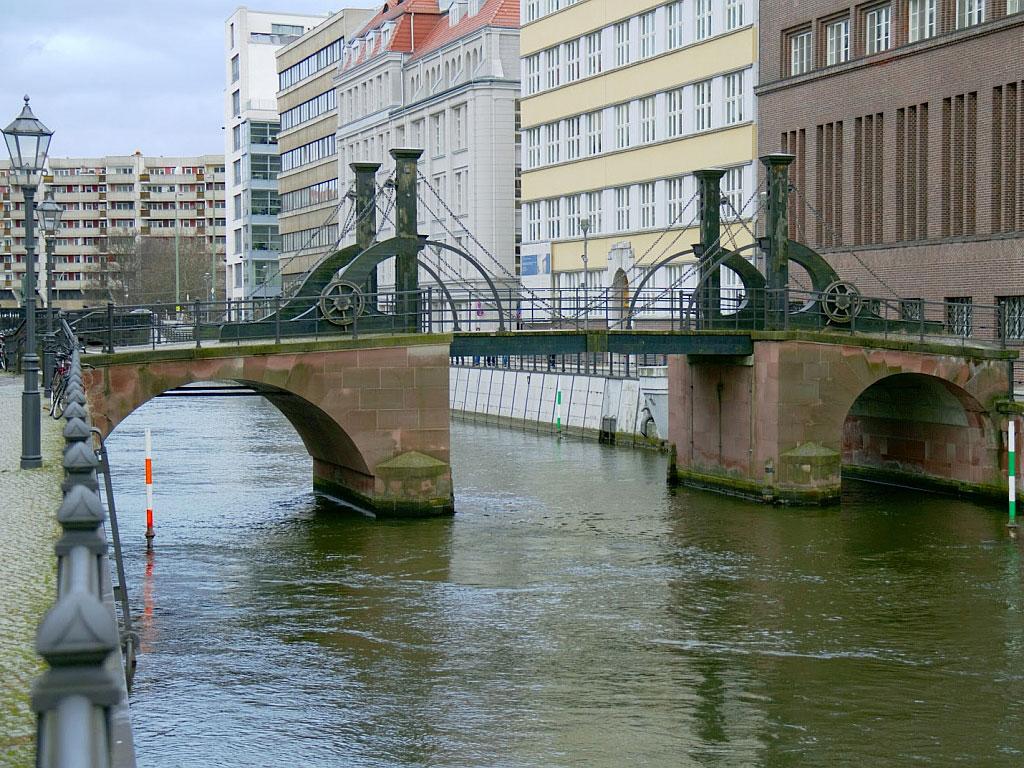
{"type": "Point", "coordinates": [529, 399]}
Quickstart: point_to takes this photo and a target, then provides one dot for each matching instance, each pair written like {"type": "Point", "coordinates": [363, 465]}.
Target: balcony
{"type": "Point", "coordinates": [143, 177]}
{"type": "Point", "coordinates": [144, 195]}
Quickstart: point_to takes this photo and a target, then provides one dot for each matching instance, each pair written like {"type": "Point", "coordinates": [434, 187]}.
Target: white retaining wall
{"type": "Point", "coordinates": [529, 396]}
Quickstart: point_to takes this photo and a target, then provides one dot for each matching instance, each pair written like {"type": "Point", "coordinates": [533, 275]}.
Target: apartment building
{"type": "Point", "coordinates": [111, 207]}
{"type": "Point", "coordinates": [621, 104]}
{"type": "Point", "coordinates": [446, 83]}
{"type": "Point", "coordinates": [308, 114]}
{"type": "Point", "coordinates": [251, 42]}
{"type": "Point", "coordinates": [906, 121]}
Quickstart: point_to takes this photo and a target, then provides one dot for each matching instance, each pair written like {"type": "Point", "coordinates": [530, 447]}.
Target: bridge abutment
{"type": "Point", "coordinates": [785, 423]}
{"type": "Point", "coordinates": [372, 413]}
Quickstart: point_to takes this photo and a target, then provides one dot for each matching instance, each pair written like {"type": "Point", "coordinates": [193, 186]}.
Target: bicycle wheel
{"type": "Point", "coordinates": [57, 400]}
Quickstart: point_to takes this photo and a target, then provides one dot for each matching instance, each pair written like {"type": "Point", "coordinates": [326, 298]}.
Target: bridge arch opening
{"type": "Point", "coordinates": [919, 429]}
{"type": "Point", "coordinates": [336, 456]}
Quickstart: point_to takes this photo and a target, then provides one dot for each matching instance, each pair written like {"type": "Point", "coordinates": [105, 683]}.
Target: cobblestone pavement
{"type": "Point", "coordinates": [28, 529]}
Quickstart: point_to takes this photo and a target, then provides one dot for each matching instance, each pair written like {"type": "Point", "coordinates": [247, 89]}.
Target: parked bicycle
{"type": "Point", "coordinates": [59, 386]}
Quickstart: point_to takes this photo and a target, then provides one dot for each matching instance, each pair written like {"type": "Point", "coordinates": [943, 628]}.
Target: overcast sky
{"type": "Point", "coordinates": [113, 76]}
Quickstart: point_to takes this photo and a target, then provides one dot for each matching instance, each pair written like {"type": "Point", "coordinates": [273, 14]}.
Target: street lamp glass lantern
{"type": "Point", "coordinates": [584, 224]}
{"type": "Point", "coordinates": [49, 212]}
{"type": "Point", "coordinates": [28, 142]}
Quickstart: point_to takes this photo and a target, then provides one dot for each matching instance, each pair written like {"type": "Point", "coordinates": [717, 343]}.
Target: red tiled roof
{"type": "Point", "coordinates": [425, 20]}
{"type": "Point", "coordinates": [494, 13]}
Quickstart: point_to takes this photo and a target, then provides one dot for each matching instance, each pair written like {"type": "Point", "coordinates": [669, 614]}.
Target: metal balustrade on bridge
{"type": "Point", "coordinates": [81, 699]}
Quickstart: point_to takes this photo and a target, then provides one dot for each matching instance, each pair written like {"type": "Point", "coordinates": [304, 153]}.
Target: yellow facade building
{"type": "Point", "coordinates": [621, 103]}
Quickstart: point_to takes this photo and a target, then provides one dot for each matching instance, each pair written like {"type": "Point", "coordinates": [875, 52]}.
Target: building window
{"type": "Point", "coordinates": [958, 315]}
{"type": "Point", "coordinates": [1013, 6]}
{"type": "Point", "coordinates": [263, 133]}
{"type": "Point", "coordinates": [236, 137]}
{"type": "Point", "coordinates": [622, 209]}
{"type": "Point", "coordinates": [236, 103]}
{"type": "Point", "coordinates": [877, 28]}
{"type": "Point", "coordinates": [572, 216]}
{"type": "Point", "coordinates": [837, 41]}
{"type": "Point", "coordinates": [594, 212]}
{"type": "Point", "coordinates": [675, 112]}
{"type": "Point", "coordinates": [734, 98]}
{"type": "Point", "coordinates": [460, 181]}
{"type": "Point", "coordinates": [437, 133]}
{"type": "Point", "coordinates": [572, 138]}
{"type": "Point", "coordinates": [264, 166]}
{"type": "Point", "coordinates": [234, 68]}
{"type": "Point", "coordinates": [733, 14]}
{"type": "Point", "coordinates": [675, 199]}
{"type": "Point", "coordinates": [921, 15]}
{"type": "Point", "coordinates": [553, 140]}
{"type": "Point", "coordinates": [532, 10]}
{"type": "Point", "coordinates": [459, 127]}
{"type": "Point", "coordinates": [702, 106]}
{"type": "Point", "coordinates": [647, 120]}
{"type": "Point", "coordinates": [594, 63]}
{"type": "Point", "coordinates": [702, 27]}
{"type": "Point", "coordinates": [647, 33]}
{"type": "Point", "coordinates": [532, 147]}
{"type": "Point", "coordinates": [675, 25]}
{"type": "Point", "coordinates": [533, 227]}
{"type": "Point", "coordinates": [732, 193]}
{"type": "Point", "coordinates": [622, 43]}
{"type": "Point", "coordinates": [621, 126]}
{"type": "Point", "coordinates": [232, 28]}
{"type": "Point", "coordinates": [969, 13]}
{"type": "Point", "coordinates": [647, 205]}
{"type": "Point", "coordinates": [800, 52]}
{"type": "Point", "coordinates": [572, 61]}
{"type": "Point", "coordinates": [265, 202]}
{"type": "Point", "coordinates": [1011, 309]}
{"type": "Point", "coordinates": [554, 219]}
{"type": "Point", "coordinates": [237, 171]}
{"type": "Point", "coordinates": [238, 241]}
{"type": "Point", "coordinates": [554, 68]}
{"type": "Point", "coordinates": [594, 130]}
{"type": "Point", "coordinates": [533, 73]}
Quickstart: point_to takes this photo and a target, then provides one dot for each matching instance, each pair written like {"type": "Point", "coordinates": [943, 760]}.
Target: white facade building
{"type": "Point", "coordinates": [251, 40]}
{"type": "Point", "coordinates": [447, 83]}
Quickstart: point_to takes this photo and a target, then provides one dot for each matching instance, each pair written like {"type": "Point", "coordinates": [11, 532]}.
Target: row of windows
{"type": "Point", "coordinates": [256, 132]}
{"type": "Point", "coordinates": [317, 237]}
{"type": "Point", "coordinates": [315, 194]}
{"type": "Point", "coordinates": [631, 207]}
{"type": "Point", "coordinates": [877, 32]}
{"type": "Point", "coordinates": [118, 170]}
{"type": "Point", "coordinates": [310, 65]}
{"type": "Point", "coordinates": [308, 153]}
{"type": "Point", "coordinates": [307, 110]}
{"type": "Point", "coordinates": [639, 37]}
{"type": "Point", "coordinates": [535, 9]}
{"type": "Point", "coordinates": [719, 101]}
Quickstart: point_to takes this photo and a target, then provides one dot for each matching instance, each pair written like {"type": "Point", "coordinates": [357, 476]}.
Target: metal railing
{"type": "Point", "coordinates": [78, 637]}
{"type": "Point", "coordinates": [434, 309]}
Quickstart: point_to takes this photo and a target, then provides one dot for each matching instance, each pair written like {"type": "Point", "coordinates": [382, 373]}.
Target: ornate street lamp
{"type": "Point", "coordinates": [49, 212]}
{"type": "Point", "coordinates": [28, 142]}
{"type": "Point", "coordinates": [585, 229]}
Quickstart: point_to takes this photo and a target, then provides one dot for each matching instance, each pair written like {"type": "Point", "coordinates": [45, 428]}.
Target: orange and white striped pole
{"type": "Point", "coordinates": [150, 533]}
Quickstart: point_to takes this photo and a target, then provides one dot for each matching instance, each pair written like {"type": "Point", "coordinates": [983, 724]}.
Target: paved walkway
{"type": "Point", "coordinates": [28, 529]}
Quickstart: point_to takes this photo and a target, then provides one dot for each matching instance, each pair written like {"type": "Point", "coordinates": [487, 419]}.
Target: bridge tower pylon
{"type": "Point", "coordinates": [407, 299]}
{"type": "Point", "coordinates": [709, 185]}
{"type": "Point", "coordinates": [777, 232]}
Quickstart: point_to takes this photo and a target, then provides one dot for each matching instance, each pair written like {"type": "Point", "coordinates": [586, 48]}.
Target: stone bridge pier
{"type": "Point", "coordinates": [785, 423]}
{"type": "Point", "coordinates": [372, 413]}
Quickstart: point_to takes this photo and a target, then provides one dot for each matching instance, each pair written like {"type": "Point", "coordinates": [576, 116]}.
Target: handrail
{"type": "Point", "coordinates": [78, 637]}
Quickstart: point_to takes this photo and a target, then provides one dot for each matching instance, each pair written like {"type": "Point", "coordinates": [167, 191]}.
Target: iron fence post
{"type": "Point", "coordinates": [109, 347]}
{"type": "Point", "coordinates": [196, 323]}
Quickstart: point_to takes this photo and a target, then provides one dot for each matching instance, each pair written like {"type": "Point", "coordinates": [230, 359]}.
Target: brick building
{"type": "Point", "coordinates": [906, 120]}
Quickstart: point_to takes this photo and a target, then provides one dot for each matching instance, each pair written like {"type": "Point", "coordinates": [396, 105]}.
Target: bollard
{"type": "Point", "coordinates": [558, 411]}
{"type": "Point", "coordinates": [150, 532]}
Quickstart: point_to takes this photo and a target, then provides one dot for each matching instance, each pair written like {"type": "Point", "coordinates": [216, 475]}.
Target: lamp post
{"type": "Point", "coordinates": [585, 228]}
{"type": "Point", "coordinates": [49, 212]}
{"type": "Point", "coordinates": [28, 141]}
